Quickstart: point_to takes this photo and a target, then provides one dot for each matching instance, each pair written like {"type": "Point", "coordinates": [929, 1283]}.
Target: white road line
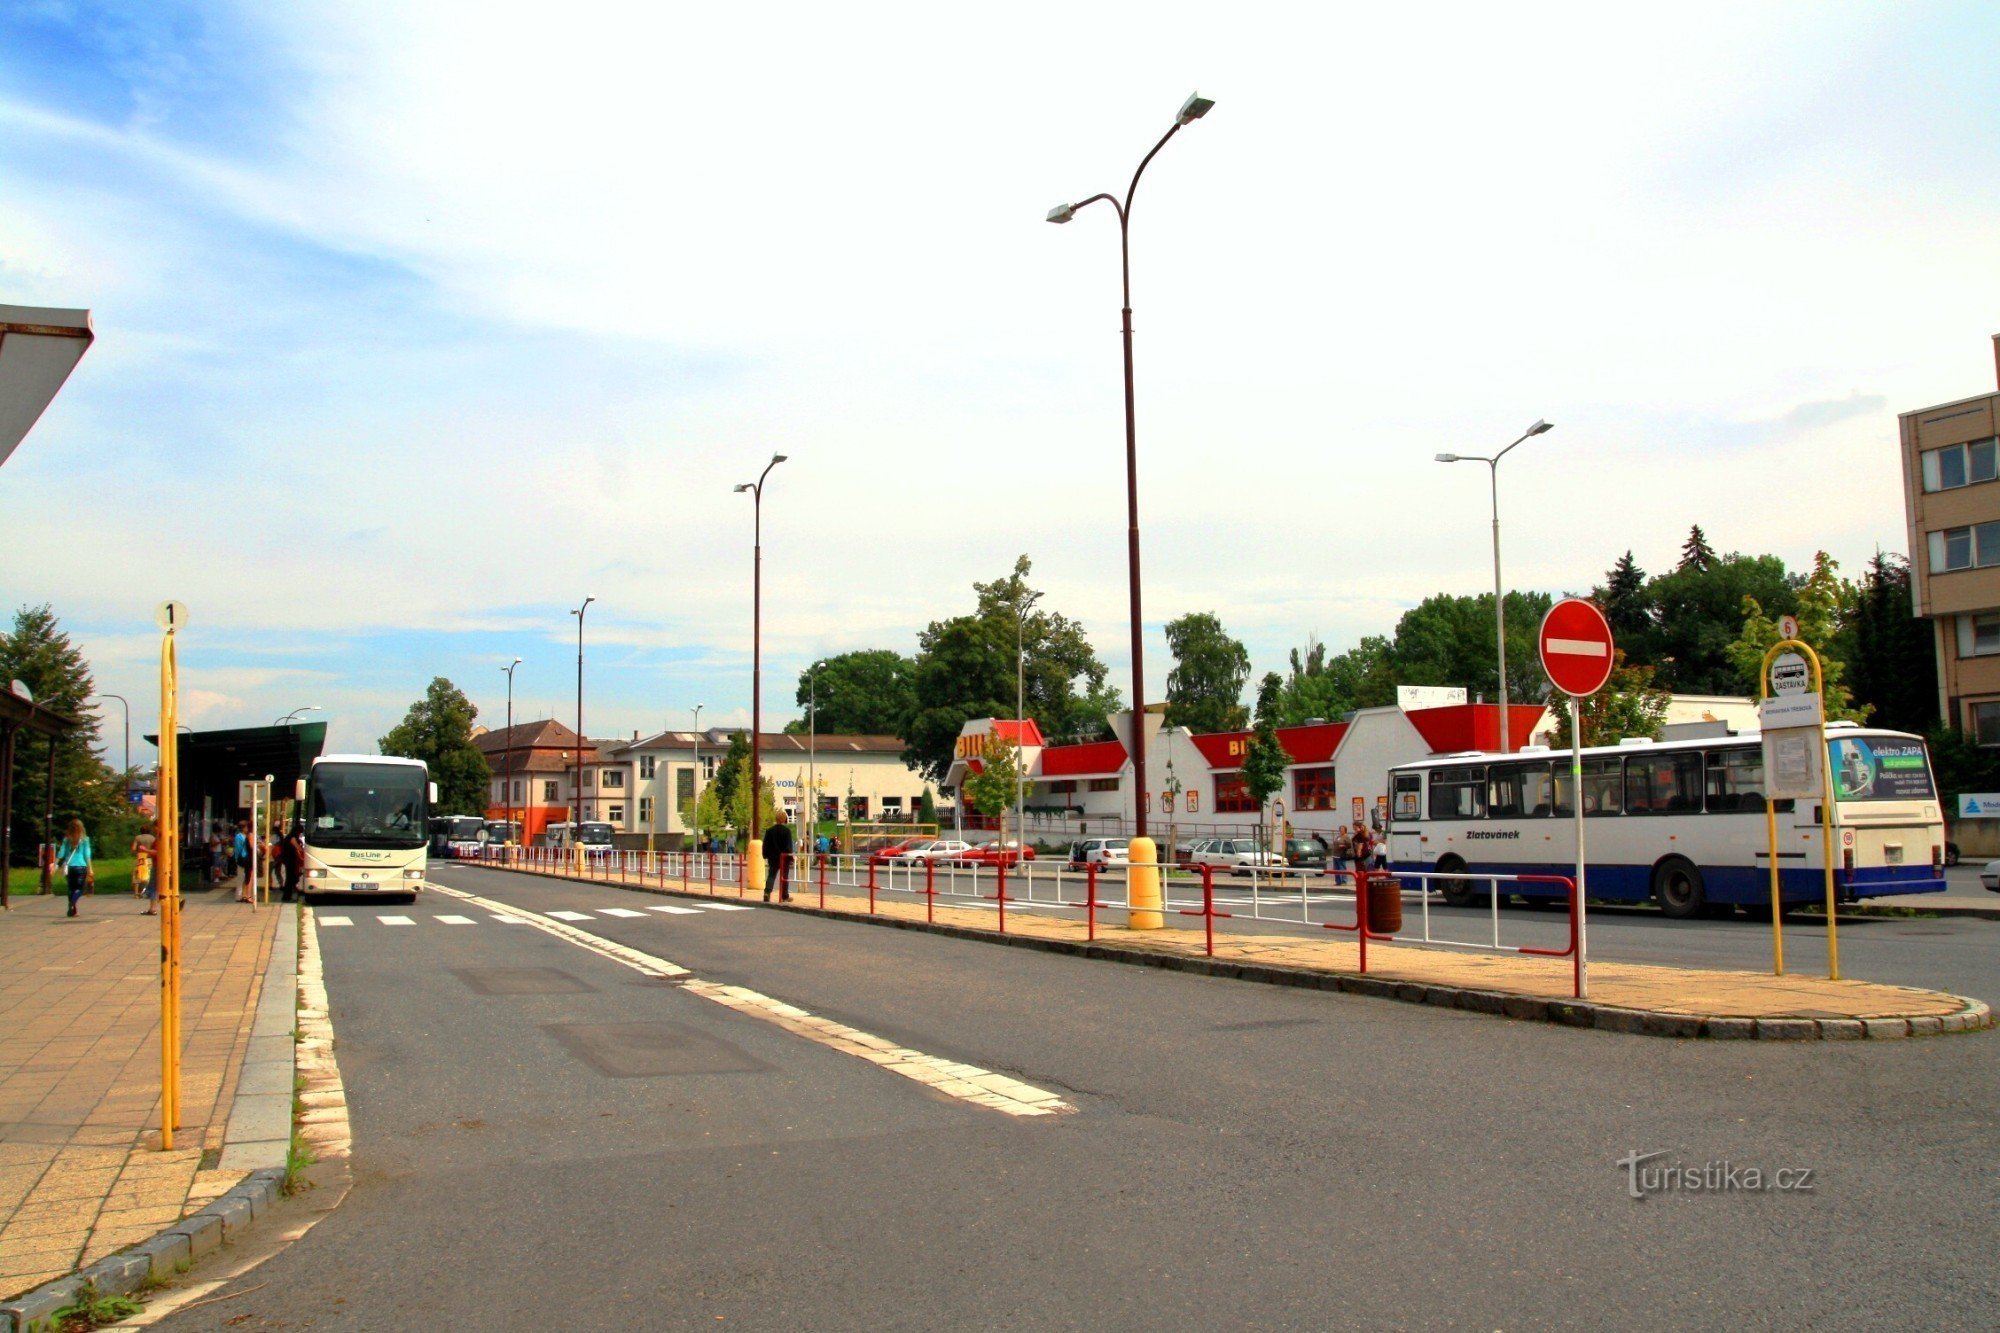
{"type": "Point", "coordinates": [336, 920]}
{"type": "Point", "coordinates": [454, 920]}
{"type": "Point", "coordinates": [731, 907]}
{"type": "Point", "coordinates": [572, 916]}
{"type": "Point", "coordinates": [676, 911]}
{"type": "Point", "coordinates": [618, 911]}
{"type": "Point", "coordinates": [948, 1078]}
{"type": "Point", "coordinates": [506, 919]}
{"type": "Point", "coordinates": [395, 921]}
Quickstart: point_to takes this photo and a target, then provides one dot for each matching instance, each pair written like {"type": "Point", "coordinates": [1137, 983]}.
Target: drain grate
{"type": "Point", "coordinates": [520, 981]}
{"type": "Point", "coordinates": [651, 1050]}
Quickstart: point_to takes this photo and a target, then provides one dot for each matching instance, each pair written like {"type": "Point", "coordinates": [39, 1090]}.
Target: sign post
{"type": "Point", "coordinates": [1791, 715]}
{"type": "Point", "coordinates": [1576, 654]}
{"type": "Point", "coordinates": [167, 874]}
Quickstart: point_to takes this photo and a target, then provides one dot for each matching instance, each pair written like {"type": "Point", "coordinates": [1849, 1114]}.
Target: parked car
{"type": "Point", "coordinates": [1989, 876]}
{"type": "Point", "coordinates": [942, 849]}
{"type": "Point", "coordinates": [1237, 855]}
{"type": "Point", "coordinates": [994, 854]}
{"type": "Point", "coordinates": [1305, 853]}
{"type": "Point", "coordinates": [897, 851]}
{"type": "Point", "coordinates": [1098, 851]}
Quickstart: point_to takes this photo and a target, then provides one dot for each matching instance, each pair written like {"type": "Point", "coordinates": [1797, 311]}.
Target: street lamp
{"type": "Point", "coordinates": [812, 747]}
{"type": "Point", "coordinates": [576, 820]}
{"type": "Point", "coordinates": [1191, 110]}
{"type": "Point", "coordinates": [756, 489]}
{"type": "Point", "coordinates": [293, 715]}
{"type": "Point", "coordinates": [126, 704]}
{"type": "Point", "coordinates": [507, 766]}
{"type": "Point", "coordinates": [1499, 599]}
{"type": "Point", "coordinates": [697, 774]}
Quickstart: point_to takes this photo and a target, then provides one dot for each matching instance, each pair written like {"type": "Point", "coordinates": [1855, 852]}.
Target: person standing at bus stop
{"type": "Point", "coordinates": [777, 859]}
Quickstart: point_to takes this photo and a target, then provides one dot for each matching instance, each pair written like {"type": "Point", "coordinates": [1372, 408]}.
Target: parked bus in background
{"type": "Point", "coordinates": [365, 825]}
{"type": "Point", "coordinates": [1680, 823]}
{"type": "Point", "coordinates": [456, 835]}
{"type": "Point", "coordinates": [595, 838]}
{"type": "Point", "coordinates": [502, 832]}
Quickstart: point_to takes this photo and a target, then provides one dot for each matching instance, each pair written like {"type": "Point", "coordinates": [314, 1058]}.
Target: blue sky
{"type": "Point", "coordinates": [417, 324]}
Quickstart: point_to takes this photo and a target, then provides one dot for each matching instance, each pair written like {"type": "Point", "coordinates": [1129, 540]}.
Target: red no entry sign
{"type": "Point", "coordinates": [1576, 646]}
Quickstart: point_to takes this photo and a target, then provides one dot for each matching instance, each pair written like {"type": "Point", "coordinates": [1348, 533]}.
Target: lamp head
{"type": "Point", "coordinates": [1194, 108]}
{"type": "Point", "coordinates": [1447, 458]}
{"type": "Point", "coordinates": [746, 486]}
{"type": "Point", "coordinates": [1062, 213]}
{"type": "Point", "coordinates": [779, 458]}
{"type": "Point", "coordinates": [1541, 427]}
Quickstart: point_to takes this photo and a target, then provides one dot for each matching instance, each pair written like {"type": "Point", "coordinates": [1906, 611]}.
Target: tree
{"type": "Point", "coordinates": [992, 788]}
{"type": "Point", "coordinates": [40, 655]}
{"type": "Point", "coordinates": [732, 772]}
{"type": "Point", "coordinates": [1698, 613]}
{"type": "Point", "coordinates": [1696, 553]}
{"type": "Point", "coordinates": [1265, 758]}
{"type": "Point", "coordinates": [927, 808]}
{"type": "Point", "coordinates": [1893, 667]}
{"type": "Point", "coordinates": [1823, 600]}
{"type": "Point", "coordinates": [1630, 704]}
{"type": "Point", "coordinates": [438, 730]}
{"type": "Point", "coordinates": [716, 813]}
{"type": "Point", "coordinates": [1448, 640]}
{"type": "Point", "coordinates": [866, 693]}
{"type": "Point", "coordinates": [965, 669]}
{"type": "Point", "coordinates": [1628, 606]}
{"type": "Point", "coordinates": [1205, 687]}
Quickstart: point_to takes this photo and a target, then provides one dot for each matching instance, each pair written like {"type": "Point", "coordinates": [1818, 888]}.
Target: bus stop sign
{"type": "Point", "coordinates": [1576, 647]}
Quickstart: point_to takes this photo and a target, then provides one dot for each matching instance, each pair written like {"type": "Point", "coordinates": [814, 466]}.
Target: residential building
{"type": "Point", "coordinates": [534, 773]}
{"type": "Point", "coordinates": [1951, 491]}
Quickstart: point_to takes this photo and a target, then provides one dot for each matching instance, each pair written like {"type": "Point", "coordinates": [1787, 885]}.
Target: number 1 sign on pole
{"type": "Point", "coordinates": [1576, 653]}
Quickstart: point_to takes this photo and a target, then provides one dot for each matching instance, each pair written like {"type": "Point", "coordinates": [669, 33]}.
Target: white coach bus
{"type": "Point", "coordinates": [1680, 823]}
{"type": "Point", "coordinates": [365, 825]}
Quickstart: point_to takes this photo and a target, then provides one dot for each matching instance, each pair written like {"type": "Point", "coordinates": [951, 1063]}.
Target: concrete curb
{"type": "Point", "coordinates": [1944, 911]}
{"type": "Point", "coordinates": [228, 1217]}
{"type": "Point", "coordinates": [1972, 1015]}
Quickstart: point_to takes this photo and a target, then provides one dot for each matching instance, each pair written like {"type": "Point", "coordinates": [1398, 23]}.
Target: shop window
{"type": "Point", "coordinates": [1312, 788]}
{"type": "Point", "coordinates": [1104, 784]}
{"type": "Point", "coordinates": [1231, 796]}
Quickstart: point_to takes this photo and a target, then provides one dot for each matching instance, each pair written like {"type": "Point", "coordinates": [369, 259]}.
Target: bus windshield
{"type": "Point", "coordinates": [457, 828]}
{"type": "Point", "coordinates": [595, 835]}
{"type": "Point", "coordinates": [367, 805]}
{"type": "Point", "coordinates": [1880, 768]}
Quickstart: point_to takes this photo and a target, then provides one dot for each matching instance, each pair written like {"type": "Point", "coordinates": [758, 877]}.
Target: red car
{"type": "Point", "coordinates": [896, 851]}
{"type": "Point", "coordinates": [993, 854]}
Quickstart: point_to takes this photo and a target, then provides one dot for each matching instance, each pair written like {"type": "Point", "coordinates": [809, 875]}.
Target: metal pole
{"type": "Point", "coordinates": [1576, 804]}
{"type": "Point", "coordinates": [812, 754]}
{"type": "Point", "coordinates": [507, 765]}
{"type": "Point", "coordinates": [126, 776]}
{"type": "Point", "coordinates": [697, 772]}
{"type": "Point", "coordinates": [1499, 604]}
{"type": "Point", "coordinates": [49, 818]}
{"type": "Point", "coordinates": [1020, 724]}
{"type": "Point", "coordinates": [576, 819]}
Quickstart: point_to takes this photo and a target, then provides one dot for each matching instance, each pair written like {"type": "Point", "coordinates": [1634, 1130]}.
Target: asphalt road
{"type": "Point", "coordinates": [1243, 1155]}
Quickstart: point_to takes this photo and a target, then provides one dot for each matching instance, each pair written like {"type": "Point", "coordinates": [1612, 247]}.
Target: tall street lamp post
{"type": "Point", "coordinates": [576, 819]}
{"type": "Point", "coordinates": [1499, 598]}
{"type": "Point", "coordinates": [1191, 110]}
{"type": "Point", "coordinates": [126, 705]}
{"type": "Point", "coordinates": [756, 488]}
{"type": "Point", "coordinates": [812, 749]}
{"type": "Point", "coordinates": [697, 774]}
{"type": "Point", "coordinates": [507, 765]}
{"type": "Point", "coordinates": [294, 714]}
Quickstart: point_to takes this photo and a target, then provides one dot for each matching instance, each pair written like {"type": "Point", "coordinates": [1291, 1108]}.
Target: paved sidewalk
{"type": "Point", "coordinates": [1669, 1001]}
{"type": "Point", "coordinates": [81, 1171]}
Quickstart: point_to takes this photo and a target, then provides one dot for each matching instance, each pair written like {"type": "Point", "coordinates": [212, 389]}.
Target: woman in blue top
{"type": "Point", "coordinates": [73, 859]}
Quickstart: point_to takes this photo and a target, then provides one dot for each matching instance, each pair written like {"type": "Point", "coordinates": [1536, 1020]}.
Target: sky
{"type": "Point", "coordinates": [417, 323]}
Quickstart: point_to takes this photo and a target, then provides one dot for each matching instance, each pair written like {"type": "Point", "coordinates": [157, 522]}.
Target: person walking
{"type": "Point", "coordinates": [777, 856]}
{"type": "Point", "coordinates": [73, 858]}
{"type": "Point", "coordinates": [291, 859]}
{"type": "Point", "coordinates": [241, 847]}
{"type": "Point", "coordinates": [144, 847]}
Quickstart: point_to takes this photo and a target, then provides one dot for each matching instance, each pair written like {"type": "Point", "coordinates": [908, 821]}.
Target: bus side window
{"type": "Point", "coordinates": [1603, 786]}
{"type": "Point", "coordinates": [1458, 793]}
{"type": "Point", "coordinates": [1409, 787]}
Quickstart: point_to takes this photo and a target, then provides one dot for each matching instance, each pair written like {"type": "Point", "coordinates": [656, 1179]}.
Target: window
{"type": "Point", "coordinates": [645, 811]}
{"type": "Point", "coordinates": [1736, 782]}
{"type": "Point", "coordinates": [1516, 791]}
{"type": "Point", "coordinates": [1409, 787]}
{"type": "Point", "coordinates": [549, 793]}
{"type": "Point", "coordinates": [1231, 796]}
{"type": "Point", "coordinates": [1965, 548]}
{"type": "Point", "coordinates": [646, 764]}
{"type": "Point", "coordinates": [1961, 465]}
{"type": "Point", "coordinates": [1603, 787]}
{"type": "Point", "coordinates": [683, 790]}
{"type": "Point", "coordinates": [617, 815]}
{"type": "Point", "coordinates": [892, 806]}
{"type": "Point", "coordinates": [517, 789]}
{"type": "Point", "coordinates": [614, 779]}
{"type": "Point", "coordinates": [1064, 788]}
{"type": "Point", "coordinates": [1979, 634]}
{"type": "Point", "coordinates": [1458, 793]}
{"type": "Point", "coordinates": [857, 807]}
{"type": "Point", "coordinates": [1663, 784]}
{"type": "Point", "coordinates": [1985, 722]}
{"type": "Point", "coordinates": [1104, 784]}
{"type": "Point", "coordinates": [1312, 788]}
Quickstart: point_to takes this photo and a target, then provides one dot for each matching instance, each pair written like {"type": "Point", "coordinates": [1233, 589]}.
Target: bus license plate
{"type": "Point", "coordinates": [1892, 854]}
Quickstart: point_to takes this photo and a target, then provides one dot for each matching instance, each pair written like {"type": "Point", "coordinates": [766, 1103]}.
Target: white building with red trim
{"type": "Point", "coordinates": [1339, 770]}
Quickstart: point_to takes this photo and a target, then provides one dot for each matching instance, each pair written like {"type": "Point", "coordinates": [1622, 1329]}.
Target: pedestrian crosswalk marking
{"type": "Point", "coordinates": [618, 911]}
{"type": "Point", "coordinates": [396, 921]}
{"type": "Point", "coordinates": [571, 916]}
{"type": "Point", "coordinates": [507, 920]}
{"type": "Point", "coordinates": [454, 920]}
{"type": "Point", "coordinates": [336, 921]}
{"type": "Point", "coordinates": [676, 911]}
{"type": "Point", "coordinates": [731, 907]}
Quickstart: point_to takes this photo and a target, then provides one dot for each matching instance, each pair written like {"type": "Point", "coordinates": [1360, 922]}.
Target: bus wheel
{"type": "Point", "coordinates": [1457, 892]}
{"type": "Point", "coordinates": [1677, 888]}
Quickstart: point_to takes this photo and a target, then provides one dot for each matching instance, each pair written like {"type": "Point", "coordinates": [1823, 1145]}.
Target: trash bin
{"type": "Point", "coordinates": [1385, 903]}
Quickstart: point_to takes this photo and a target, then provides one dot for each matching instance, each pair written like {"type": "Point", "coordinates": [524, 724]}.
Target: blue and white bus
{"type": "Point", "coordinates": [1678, 823]}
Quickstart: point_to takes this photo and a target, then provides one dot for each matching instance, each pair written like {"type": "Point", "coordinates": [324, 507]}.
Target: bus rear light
{"type": "Point", "coordinates": [1847, 859]}
{"type": "Point", "coordinates": [1937, 857]}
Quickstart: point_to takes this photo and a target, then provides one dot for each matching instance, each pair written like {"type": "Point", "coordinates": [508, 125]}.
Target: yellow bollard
{"type": "Point", "coordinates": [1143, 882]}
{"type": "Point", "coordinates": [753, 867]}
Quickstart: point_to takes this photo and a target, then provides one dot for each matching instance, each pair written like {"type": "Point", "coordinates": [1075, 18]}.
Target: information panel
{"type": "Point", "coordinates": [1879, 769]}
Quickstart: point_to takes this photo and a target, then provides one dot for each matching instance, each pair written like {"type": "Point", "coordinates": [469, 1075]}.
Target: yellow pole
{"type": "Point", "coordinates": [1142, 871]}
{"type": "Point", "coordinates": [1771, 828]}
{"type": "Point", "coordinates": [166, 878]}
{"type": "Point", "coordinates": [1826, 826]}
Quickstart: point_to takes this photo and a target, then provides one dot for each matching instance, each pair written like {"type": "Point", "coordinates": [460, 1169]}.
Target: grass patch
{"type": "Point", "coordinates": [114, 876]}
{"type": "Point", "coordinates": [91, 1309]}
{"type": "Point", "coordinates": [298, 1159]}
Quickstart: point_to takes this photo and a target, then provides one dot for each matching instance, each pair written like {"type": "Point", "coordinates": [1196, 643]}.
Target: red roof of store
{"type": "Point", "coordinates": [1314, 744]}
{"type": "Point", "coordinates": [1473, 726]}
{"type": "Point", "coordinates": [1222, 749]}
{"type": "Point", "coordinates": [1023, 733]}
{"type": "Point", "coordinates": [1090, 760]}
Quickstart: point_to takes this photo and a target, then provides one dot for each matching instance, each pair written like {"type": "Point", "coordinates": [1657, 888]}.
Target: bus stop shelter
{"type": "Point", "coordinates": [214, 763]}
{"type": "Point", "coordinates": [18, 714]}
